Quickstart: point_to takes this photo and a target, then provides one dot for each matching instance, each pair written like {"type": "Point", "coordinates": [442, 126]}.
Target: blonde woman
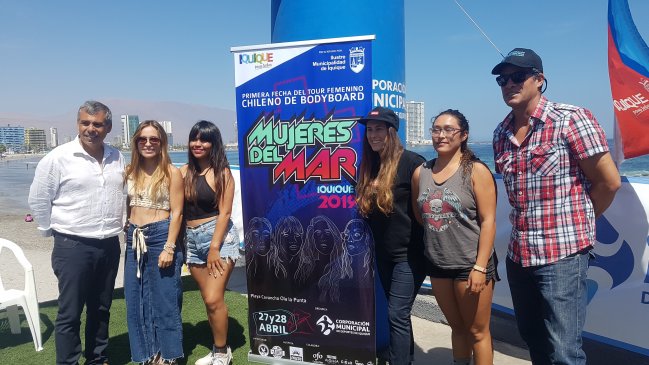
{"type": "Point", "coordinates": [383, 197]}
{"type": "Point", "coordinates": [152, 285]}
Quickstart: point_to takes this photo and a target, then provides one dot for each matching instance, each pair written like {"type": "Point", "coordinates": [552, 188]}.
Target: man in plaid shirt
{"type": "Point", "coordinates": [559, 178]}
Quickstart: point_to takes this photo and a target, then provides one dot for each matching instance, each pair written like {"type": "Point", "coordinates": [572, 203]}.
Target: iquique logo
{"type": "Point", "coordinates": [619, 265]}
{"type": "Point", "coordinates": [256, 58]}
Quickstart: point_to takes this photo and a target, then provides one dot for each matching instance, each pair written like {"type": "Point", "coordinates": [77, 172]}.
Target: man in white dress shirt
{"type": "Point", "coordinates": [77, 197]}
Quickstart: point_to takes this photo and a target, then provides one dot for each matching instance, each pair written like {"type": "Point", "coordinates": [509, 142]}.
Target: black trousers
{"type": "Point", "coordinates": [86, 269]}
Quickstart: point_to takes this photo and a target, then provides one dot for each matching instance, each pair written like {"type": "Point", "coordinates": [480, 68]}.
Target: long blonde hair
{"type": "Point", "coordinates": [379, 195]}
{"type": "Point", "coordinates": [161, 177]}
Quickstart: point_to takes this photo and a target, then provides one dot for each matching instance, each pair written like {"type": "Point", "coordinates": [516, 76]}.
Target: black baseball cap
{"type": "Point", "coordinates": [382, 114]}
{"type": "Point", "coordinates": [521, 57]}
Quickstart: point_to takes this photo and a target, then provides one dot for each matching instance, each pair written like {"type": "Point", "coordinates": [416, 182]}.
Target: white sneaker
{"type": "Point", "coordinates": [205, 360]}
{"type": "Point", "coordinates": [222, 359]}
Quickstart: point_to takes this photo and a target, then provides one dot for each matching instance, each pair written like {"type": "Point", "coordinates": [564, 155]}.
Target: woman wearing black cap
{"type": "Point", "coordinates": [383, 197]}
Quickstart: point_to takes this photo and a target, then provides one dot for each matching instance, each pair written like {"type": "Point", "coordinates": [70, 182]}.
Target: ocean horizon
{"type": "Point", "coordinates": [16, 175]}
{"type": "Point", "coordinates": [635, 167]}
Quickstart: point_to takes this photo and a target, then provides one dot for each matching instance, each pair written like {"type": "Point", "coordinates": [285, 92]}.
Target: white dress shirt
{"type": "Point", "coordinates": [73, 193]}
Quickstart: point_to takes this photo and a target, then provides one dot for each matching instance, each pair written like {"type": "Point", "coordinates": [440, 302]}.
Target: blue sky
{"type": "Point", "coordinates": [55, 54]}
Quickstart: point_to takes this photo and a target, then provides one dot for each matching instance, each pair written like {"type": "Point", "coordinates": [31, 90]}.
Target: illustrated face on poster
{"type": "Point", "coordinates": [289, 233]}
{"type": "Point", "coordinates": [260, 235]}
{"type": "Point", "coordinates": [323, 235]}
{"type": "Point", "coordinates": [356, 236]}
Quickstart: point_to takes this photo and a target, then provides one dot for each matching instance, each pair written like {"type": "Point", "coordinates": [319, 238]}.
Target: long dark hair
{"type": "Point", "coordinates": [468, 157]}
{"type": "Point", "coordinates": [208, 132]}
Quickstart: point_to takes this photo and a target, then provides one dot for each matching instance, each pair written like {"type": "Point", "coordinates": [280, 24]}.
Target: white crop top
{"type": "Point", "coordinates": [143, 198]}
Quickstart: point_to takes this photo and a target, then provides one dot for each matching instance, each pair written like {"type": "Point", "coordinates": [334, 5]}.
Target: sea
{"type": "Point", "coordinates": [16, 175]}
{"type": "Point", "coordinates": [636, 167]}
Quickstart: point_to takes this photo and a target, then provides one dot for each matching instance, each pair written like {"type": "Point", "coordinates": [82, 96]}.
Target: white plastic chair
{"type": "Point", "coordinates": [10, 299]}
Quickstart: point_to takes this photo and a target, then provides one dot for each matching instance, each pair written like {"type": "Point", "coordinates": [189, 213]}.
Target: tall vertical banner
{"type": "Point", "coordinates": [628, 67]}
{"type": "Point", "coordinates": [293, 20]}
{"type": "Point", "coordinates": [297, 20]}
{"type": "Point", "coordinates": [309, 257]}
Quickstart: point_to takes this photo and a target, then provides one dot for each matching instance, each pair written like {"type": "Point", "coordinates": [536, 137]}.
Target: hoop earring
{"type": "Point", "coordinates": [545, 85]}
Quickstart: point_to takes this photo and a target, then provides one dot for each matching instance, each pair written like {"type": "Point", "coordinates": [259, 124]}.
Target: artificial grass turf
{"type": "Point", "coordinates": [19, 348]}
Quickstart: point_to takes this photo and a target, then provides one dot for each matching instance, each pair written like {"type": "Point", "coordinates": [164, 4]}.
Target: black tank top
{"type": "Point", "coordinates": [204, 205]}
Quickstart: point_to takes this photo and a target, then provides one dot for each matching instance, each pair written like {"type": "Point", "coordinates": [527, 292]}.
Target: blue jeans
{"type": "Point", "coordinates": [550, 306]}
{"type": "Point", "coordinates": [154, 300]}
{"type": "Point", "coordinates": [401, 282]}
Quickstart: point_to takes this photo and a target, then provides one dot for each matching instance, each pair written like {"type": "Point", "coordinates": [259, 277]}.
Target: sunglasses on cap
{"type": "Point", "coordinates": [143, 140]}
{"type": "Point", "coordinates": [516, 77]}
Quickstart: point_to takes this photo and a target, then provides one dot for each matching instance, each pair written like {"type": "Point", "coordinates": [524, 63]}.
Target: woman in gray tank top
{"type": "Point", "coordinates": [456, 196]}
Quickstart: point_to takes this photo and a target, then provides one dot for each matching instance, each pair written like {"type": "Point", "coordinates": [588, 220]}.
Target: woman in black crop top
{"type": "Point", "coordinates": [212, 241]}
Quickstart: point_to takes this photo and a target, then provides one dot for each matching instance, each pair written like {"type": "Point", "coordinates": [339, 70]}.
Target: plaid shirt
{"type": "Point", "coordinates": [552, 215]}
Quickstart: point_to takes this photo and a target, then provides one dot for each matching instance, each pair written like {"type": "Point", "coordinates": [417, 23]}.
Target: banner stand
{"type": "Point", "coordinates": [309, 256]}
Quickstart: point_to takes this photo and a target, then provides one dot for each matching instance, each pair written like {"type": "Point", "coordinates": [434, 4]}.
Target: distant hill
{"type": "Point", "coordinates": [183, 117]}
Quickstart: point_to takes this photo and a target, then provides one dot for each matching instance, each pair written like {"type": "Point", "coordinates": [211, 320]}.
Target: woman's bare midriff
{"type": "Point", "coordinates": [141, 216]}
{"type": "Point", "coordinates": [197, 222]}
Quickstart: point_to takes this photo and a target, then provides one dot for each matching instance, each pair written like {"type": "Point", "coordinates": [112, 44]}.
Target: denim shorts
{"type": "Point", "coordinates": [198, 239]}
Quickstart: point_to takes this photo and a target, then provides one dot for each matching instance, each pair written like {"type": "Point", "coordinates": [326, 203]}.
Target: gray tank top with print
{"type": "Point", "coordinates": [449, 213]}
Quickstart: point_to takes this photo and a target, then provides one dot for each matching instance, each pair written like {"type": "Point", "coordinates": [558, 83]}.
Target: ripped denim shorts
{"type": "Point", "coordinates": [199, 238]}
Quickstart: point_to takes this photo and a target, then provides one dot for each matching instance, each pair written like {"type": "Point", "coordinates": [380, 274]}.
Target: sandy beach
{"type": "Point", "coordinates": [38, 250]}
{"type": "Point", "coordinates": [20, 156]}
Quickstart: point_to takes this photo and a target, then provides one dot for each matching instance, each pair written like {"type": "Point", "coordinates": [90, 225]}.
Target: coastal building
{"type": "Point", "coordinates": [415, 122]}
{"type": "Point", "coordinates": [13, 138]}
{"type": "Point", "coordinates": [166, 125]}
{"type": "Point", "coordinates": [35, 139]}
{"type": "Point", "coordinates": [118, 140]}
{"type": "Point", "coordinates": [54, 137]}
{"type": "Point", "coordinates": [233, 145]}
{"type": "Point", "coordinates": [129, 125]}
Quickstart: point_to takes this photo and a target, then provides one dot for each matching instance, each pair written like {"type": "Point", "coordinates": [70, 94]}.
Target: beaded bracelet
{"type": "Point", "coordinates": [169, 248]}
{"type": "Point", "coordinates": [479, 269]}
